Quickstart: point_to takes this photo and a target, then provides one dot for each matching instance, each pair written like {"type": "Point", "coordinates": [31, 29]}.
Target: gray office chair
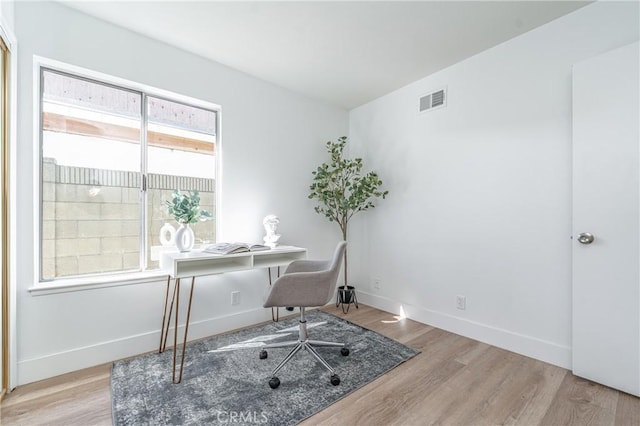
{"type": "Point", "coordinates": [306, 283]}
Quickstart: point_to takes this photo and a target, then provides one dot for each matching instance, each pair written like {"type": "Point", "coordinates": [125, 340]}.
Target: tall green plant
{"type": "Point", "coordinates": [342, 190]}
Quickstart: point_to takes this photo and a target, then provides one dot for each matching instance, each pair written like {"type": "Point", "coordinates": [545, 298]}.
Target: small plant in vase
{"type": "Point", "coordinates": [185, 208]}
{"type": "Point", "coordinates": [342, 190]}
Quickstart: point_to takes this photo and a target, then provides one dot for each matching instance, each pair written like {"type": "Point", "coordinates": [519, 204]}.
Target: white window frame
{"type": "Point", "coordinates": [61, 285]}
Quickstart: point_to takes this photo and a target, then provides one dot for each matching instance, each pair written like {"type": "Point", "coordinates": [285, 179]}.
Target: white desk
{"type": "Point", "coordinates": [198, 263]}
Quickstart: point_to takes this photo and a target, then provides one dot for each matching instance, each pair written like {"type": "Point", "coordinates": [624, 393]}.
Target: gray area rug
{"type": "Point", "coordinates": [225, 382]}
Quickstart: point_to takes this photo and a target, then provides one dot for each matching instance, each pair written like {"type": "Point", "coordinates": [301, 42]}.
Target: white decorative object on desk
{"type": "Point", "coordinates": [270, 223]}
{"type": "Point", "coordinates": [169, 230]}
{"type": "Point", "coordinates": [184, 238]}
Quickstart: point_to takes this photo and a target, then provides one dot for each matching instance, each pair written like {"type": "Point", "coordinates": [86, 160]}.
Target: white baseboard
{"type": "Point", "coordinates": [52, 365]}
{"type": "Point", "coordinates": [542, 350]}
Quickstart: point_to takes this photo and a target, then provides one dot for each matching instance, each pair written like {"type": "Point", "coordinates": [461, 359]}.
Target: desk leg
{"type": "Point", "coordinates": [175, 328]}
{"type": "Point", "coordinates": [164, 314]}
{"type": "Point", "coordinates": [275, 311]}
{"type": "Point", "coordinates": [186, 330]}
{"type": "Point", "coordinates": [166, 320]}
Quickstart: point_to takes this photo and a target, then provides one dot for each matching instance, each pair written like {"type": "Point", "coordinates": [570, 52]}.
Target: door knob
{"type": "Point", "coordinates": [585, 238]}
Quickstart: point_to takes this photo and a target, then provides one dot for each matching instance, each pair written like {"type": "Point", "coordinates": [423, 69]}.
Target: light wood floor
{"type": "Point", "coordinates": [453, 381]}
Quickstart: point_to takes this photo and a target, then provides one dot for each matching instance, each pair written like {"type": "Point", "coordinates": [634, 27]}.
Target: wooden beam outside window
{"type": "Point", "coordinates": [79, 126]}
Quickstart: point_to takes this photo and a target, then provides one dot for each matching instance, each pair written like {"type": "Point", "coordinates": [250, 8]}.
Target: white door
{"type": "Point", "coordinates": [606, 204]}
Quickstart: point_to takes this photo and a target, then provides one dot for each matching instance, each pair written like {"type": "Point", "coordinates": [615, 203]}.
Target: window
{"type": "Point", "coordinates": [110, 156]}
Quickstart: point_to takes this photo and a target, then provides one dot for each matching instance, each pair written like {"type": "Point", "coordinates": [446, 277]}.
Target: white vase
{"type": "Point", "coordinates": [184, 238]}
{"type": "Point", "coordinates": [167, 235]}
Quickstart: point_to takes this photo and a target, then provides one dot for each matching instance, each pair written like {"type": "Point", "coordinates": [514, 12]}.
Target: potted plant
{"type": "Point", "coordinates": [185, 208]}
{"type": "Point", "coordinates": [342, 190]}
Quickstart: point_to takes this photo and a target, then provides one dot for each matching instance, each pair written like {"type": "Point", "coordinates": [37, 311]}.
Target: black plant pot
{"type": "Point", "coordinates": [345, 293]}
{"type": "Point", "coordinates": [346, 296]}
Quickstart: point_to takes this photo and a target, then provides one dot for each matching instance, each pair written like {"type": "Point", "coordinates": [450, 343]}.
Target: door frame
{"type": "Point", "coordinates": [4, 272]}
{"type": "Point", "coordinates": [8, 364]}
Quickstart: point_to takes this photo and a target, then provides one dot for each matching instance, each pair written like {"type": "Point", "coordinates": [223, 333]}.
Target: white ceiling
{"type": "Point", "coordinates": [345, 53]}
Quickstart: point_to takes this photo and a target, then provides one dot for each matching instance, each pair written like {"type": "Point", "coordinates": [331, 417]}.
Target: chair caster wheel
{"type": "Point", "coordinates": [263, 354]}
{"type": "Point", "coordinates": [275, 382]}
{"type": "Point", "coordinates": [344, 351]}
{"type": "Point", "coordinates": [335, 380]}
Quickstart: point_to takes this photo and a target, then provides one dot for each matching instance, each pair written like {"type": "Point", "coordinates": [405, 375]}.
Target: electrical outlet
{"type": "Point", "coordinates": [375, 283]}
{"type": "Point", "coordinates": [461, 302]}
{"type": "Point", "coordinates": [235, 297]}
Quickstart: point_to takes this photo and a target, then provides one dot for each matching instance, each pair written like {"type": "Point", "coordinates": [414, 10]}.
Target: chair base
{"type": "Point", "coordinates": [303, 343]}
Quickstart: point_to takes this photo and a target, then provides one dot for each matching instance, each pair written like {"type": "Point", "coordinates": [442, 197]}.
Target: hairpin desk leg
{"type": "Point", "coordinates": [166, 322]}
{"type": "Point", "coordinates": [275, 312]}
{"type": "Point", "coordinates": [186, 332]}
{"type": "Point", "coordinates": [175, 329]}
{"type": "Point", "coordinates": [164, 314]}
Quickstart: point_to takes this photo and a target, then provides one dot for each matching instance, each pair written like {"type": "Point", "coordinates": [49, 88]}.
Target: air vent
{"type": "Point", "coordinates": [433, 100]}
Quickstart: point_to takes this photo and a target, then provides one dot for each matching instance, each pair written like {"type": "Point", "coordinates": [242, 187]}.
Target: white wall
{"type": "Point", "coordinates": [7, 13]}
{"type": "Point", "coordinates": [272, 140]}
{"type": "Point", "coordinates": [480, 191]}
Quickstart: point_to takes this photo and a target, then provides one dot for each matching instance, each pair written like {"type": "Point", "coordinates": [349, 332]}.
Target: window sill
{"type": "Point", "coordinates": [92, 283]}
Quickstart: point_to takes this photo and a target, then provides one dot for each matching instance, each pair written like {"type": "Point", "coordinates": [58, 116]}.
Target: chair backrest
{"type": "Point", "coordinates": [307, 282]}
{"type": "Point", "coordinates": [334, 267]}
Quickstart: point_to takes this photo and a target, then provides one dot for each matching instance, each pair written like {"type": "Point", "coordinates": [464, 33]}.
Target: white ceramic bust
{"type": "Point", "coordinates": [270, 223]}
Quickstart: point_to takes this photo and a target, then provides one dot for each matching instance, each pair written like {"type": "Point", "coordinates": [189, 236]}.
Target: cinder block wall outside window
{"type": "Point", "coordinates": [92, 223]}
